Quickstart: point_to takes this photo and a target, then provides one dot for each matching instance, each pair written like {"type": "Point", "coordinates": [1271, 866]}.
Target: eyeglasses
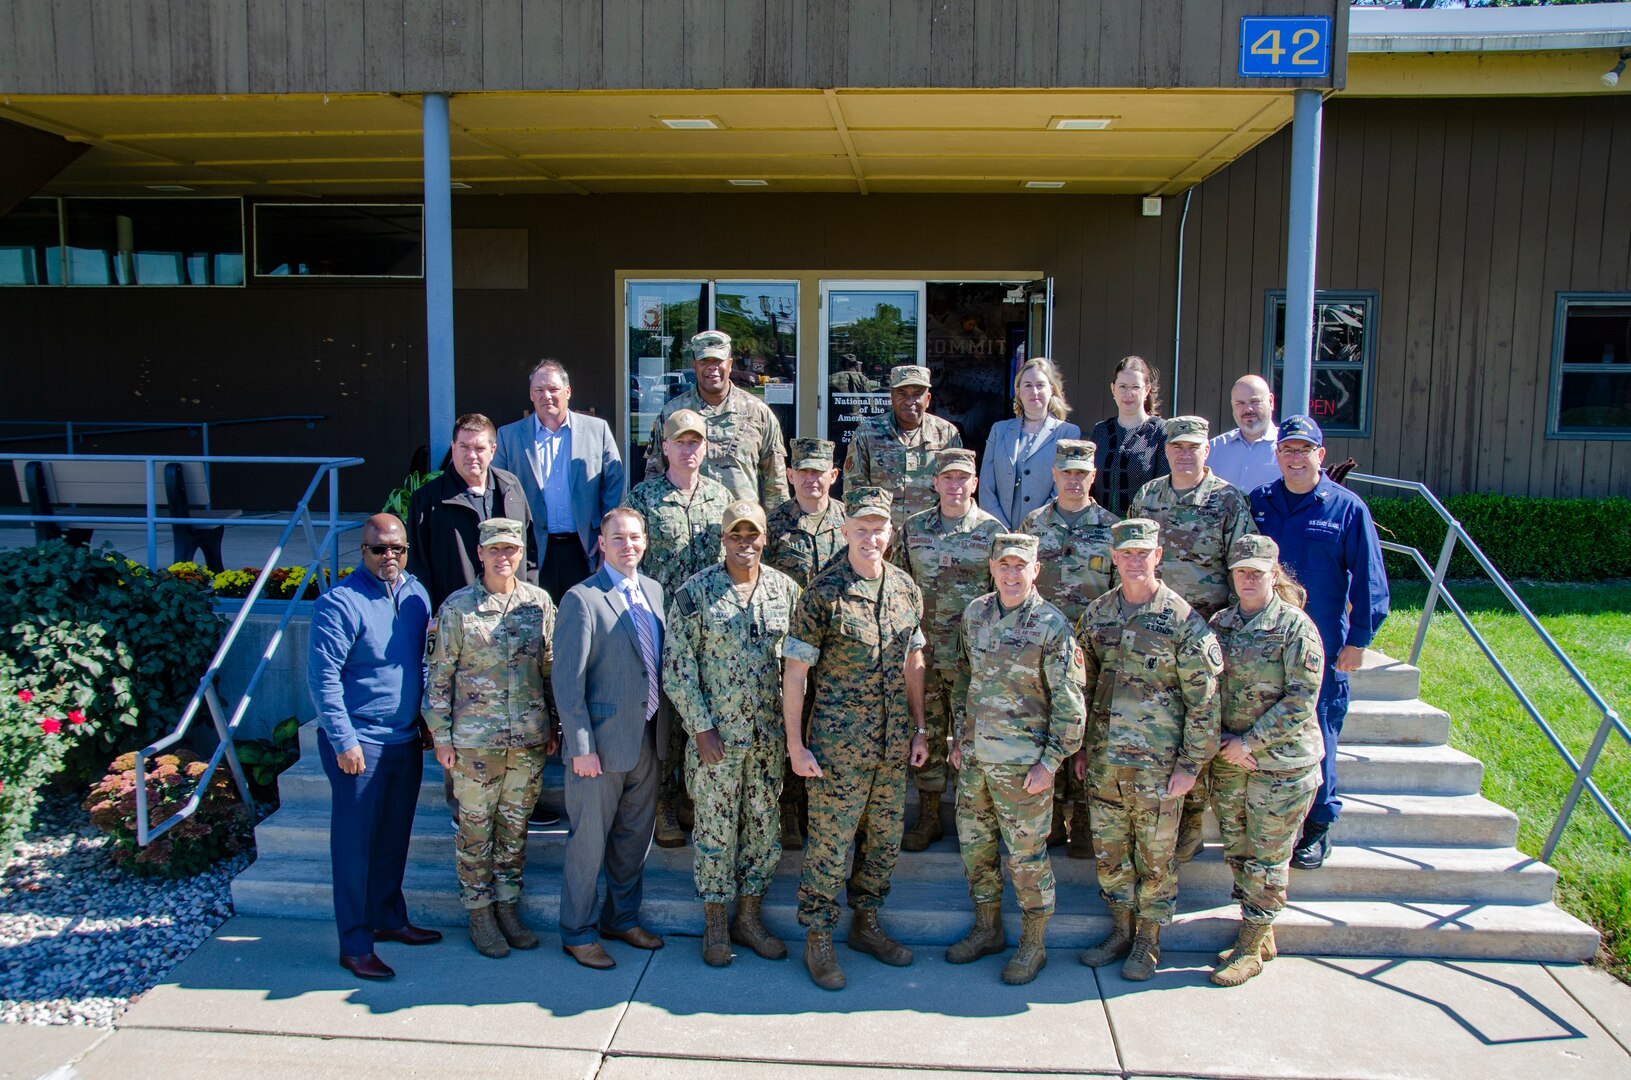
{"type": "Point", "coordinates": [386, 549]}
{"type": "Point", "coordinates": [1287, 451]}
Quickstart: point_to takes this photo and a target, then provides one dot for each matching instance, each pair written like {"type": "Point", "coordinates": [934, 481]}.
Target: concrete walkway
{"type": "Point", "coordinates": [265, 998]}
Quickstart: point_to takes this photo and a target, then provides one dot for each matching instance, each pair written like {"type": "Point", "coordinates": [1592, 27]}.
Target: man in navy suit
{"type": "Point", "coordinates": [608, 657]}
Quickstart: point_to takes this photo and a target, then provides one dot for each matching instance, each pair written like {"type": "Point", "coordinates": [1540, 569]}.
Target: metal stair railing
{"type": "Point", "coordinates": [1439, 589]}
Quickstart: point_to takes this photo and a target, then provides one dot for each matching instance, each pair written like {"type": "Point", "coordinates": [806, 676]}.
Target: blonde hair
{"type": "Point", "coordinates": [1057, 405]}
{"type": "Point", "coordinates": [1287, 587]}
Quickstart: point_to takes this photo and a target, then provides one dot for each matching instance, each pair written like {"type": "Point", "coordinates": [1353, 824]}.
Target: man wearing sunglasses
{"type": "Point", "coordinates": [366, 673]}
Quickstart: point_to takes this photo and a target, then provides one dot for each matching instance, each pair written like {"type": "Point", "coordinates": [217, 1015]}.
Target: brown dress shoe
{"type": "Point", "coordinates": [367, 966]}
{"type": "Point", "coordinates": [590, 955]}
{"type": "Point", "coordinates": [409, 934]}
{"type": "Point", "coordinates": [638, 936]}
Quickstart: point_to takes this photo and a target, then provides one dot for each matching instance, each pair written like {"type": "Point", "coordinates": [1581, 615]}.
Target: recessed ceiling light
{"type": "Point", "coordinates": [168, 187]}
{"type": "Point", "coordinates": [1081, 123]}
{"type": "Point", "coordinates": [750, 183]}
{"type": "Point", "coordinates": [690, 123]}
{"type": "Point", "coordinates": [1047, 184]}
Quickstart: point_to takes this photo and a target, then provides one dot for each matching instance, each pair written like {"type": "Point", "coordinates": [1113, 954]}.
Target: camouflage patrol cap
{"type": "Point", "coordinates": [1190, 429]}
{"type": "Point", "coordinates": [812, 454]}
{"type": "Point", "coordinates": [502, 531]}
{"type": "Point", "coordinates": [1022, 545]}
{"type": "Point", "coordinates": [867, 502]}
{"type": "Point", "coordinates": [955, 459]}
{"type": "Point", "coordinates": [1074, 455]}
{"type": "Point", "coordinates": [684, 420]}
{"type": "Point", "coordinates": [909, 375]}
{"type": "Point", "coordinates": [713, 343]}
{"type": "Point", "coordinates": [1254, 551]}
{"type": "Point", "coordinates": [744, 510]}
{"type": "Point", "coordinates": [1140, 534]}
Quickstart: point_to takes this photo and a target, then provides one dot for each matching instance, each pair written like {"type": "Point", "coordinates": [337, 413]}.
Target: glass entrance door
{"type": "Point", "coordinates": [867, 327]}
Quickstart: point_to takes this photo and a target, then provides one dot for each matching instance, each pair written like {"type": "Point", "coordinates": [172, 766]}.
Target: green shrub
{"type": "Point", "coordinates": [39, 721]}
{"type": "Point", "coordinates": [398, 500]}
{"type": "Point", "coordinates": [264, 759]}
{"type": "Point", "coordinates": [218, 829]}
{"type": "Point", "coordinates": [1535, 539]}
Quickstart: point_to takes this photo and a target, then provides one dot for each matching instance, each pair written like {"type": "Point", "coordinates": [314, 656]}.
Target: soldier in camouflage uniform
{"type": "Point", "coordinates": [487, 704]}
{"type": "Point", "coordinates": [806, 532]}
{"type": "Point", "coordinates": [856, 637]}
{"type": "Point", "coordinates": [1268, 765]}
{"type": "Point", "coordinates": [1073, 537]}
{"type": "Point", "coordinates": [897, 449]}
{"type": "Point", "coordinates": [947, 550]}
{"type": "Point", "coordinates": [682, 508]}
{"type": "Point", "coordinates": [722, 672]}
{"type": "Point", "coordinates": [1019, 715]}
{"type": "Point", "coordinates": [1200, 515]}
{"type": "Point", "coordinates": [745, 451]}
{"type": "Point", "coordinates": [1152, 677]}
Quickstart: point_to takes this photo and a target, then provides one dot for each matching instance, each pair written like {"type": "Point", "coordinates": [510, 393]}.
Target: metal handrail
{"type": "Point", "coordinates": [1438, 588]}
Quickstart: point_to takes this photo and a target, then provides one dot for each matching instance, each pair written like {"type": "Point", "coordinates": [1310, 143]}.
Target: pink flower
{"type": "Point", "coordinates": [50, 725]}
{"type": "Point", "coordinates": [76, 717]}
{"type": "Point", "coordinates": [25, 696]}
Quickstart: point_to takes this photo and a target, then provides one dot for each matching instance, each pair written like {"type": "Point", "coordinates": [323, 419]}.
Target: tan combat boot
{"type": "Point", "coordinates": [485, 934]}
{"type": "Point", "coordinates": [1081, 830]}
{"type": "Point", "coordinates": [927, 828]}
{"type": "Point", "coordinates": [750, 930]}
{"type": "Point", "coordinates": [508, 916]}
{"type": "Point", "coordinates": [716, 939]}
{"type": "Point", "coordinates": [1031, 956]}
{"type": "Point", "coordinates": [823, 965]}
{"type": "Point", "coordinates": [685, 811]}
{"type": "Point", "coordinates": [669, 833]}
{"type": "Point", "coordinates": [792, 836]}
{"type": "Point", "coordinates": [1114, 947]}
{"type": "Point", "coordinates": [1056, 831]}
{"type": "Point", "coordinates": [1246, 959]}
{"type": "Point", "coordinates": [984, 939]}
{"type": "Point", "coordinates": [1146, 952]}
{"type": "Point", "coordinates": [1189, 832]}
{"type": "Point", "coordinates": [1267, 947]}
{"type": "Point", "coordinates": [866, 934]}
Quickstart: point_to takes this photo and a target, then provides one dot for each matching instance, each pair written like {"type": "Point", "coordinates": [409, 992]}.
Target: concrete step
{"type": "Point", "coordinates": [1395, 723]}
{"type": "Point", "coordinates": [1422, 770]}
{"type": "Point", "coordinates": [1382, 678]}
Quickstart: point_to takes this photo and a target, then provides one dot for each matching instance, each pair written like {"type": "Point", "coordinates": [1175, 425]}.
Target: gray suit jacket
{"type": "Point", "coordinates": [599, 678]}
{"type": "Point", "coordinates": [596, 479]}
{"type": "Point", "coordinates": [998, 471]}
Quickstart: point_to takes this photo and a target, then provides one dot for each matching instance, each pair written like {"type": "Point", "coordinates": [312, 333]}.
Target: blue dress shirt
{"type": "Point", "coordinates": [555, 475]}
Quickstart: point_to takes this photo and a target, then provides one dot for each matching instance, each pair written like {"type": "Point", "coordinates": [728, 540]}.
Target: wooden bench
{"type": "Point", "coordinates": [181, 485]}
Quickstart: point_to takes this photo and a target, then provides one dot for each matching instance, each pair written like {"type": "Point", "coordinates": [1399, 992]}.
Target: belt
{"type": "Point", "coordinates": [563, 537]}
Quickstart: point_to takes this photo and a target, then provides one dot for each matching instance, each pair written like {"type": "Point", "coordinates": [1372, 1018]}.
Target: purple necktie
{"type": "Point", "coordinates": [647, 634]}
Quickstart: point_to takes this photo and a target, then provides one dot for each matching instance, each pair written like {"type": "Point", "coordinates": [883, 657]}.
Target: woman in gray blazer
{"type": "Point", "coordinates": [1017, 475]}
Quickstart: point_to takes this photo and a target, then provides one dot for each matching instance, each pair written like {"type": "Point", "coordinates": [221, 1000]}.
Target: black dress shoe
{"type": "Point", "coordinates": [543, 816]}
{"type": "Point", "coordinates": [409, 934]}
{"type": "Point", "coordinates": [1312, 849]}
{"type": "Point", "coordinates": [367, 966]}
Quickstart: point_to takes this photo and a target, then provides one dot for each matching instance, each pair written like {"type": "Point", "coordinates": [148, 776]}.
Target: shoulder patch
{"type": "Point", "coordinates": [430, 637]}
{"type": "Point", "coordinates": [1311, 662]}
{"type": "Point", "coordinates": [1214, 654]}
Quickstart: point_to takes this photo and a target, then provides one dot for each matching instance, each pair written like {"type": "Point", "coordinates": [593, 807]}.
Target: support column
{"type": "Point", "coordinates": [1303, 233]}
{"type": "Point", "coordinates": [438, 275]}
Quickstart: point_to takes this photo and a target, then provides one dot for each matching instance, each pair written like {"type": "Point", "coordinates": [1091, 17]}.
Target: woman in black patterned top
{"type": "Point", "coordinates": [1132, 445]}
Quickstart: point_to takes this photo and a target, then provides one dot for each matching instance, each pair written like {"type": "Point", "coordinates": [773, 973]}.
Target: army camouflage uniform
{"type": "Point", "coordinates": [855, 635]}
{"type": "Point", "coordinates": [487, 695]}
{"type": "Point", "coordinates": [745, 451]}
{"type": "Point", "coordinates": [949, 558]}
{"type": "Point", "coordinates": [722, 671]}
{"type": "Point", "coordinates": [1152, 681]}
{"type": "Point", "coordinates": [1273, 663]}
{"type": "Point", "coordinates": [882, 455]}
{"type": "Point", "coordinates": [1018, 700]}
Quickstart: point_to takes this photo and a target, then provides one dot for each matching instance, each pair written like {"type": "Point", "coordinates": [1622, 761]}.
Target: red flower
{"type": "Point", "coordinates": [50, 725]}
{"type": "Point", "coordinates": [25, 696]}
{"type": "Point", "coordinates": [76, 717]}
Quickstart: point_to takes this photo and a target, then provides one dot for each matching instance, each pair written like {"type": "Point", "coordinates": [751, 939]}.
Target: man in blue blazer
{"type": "Point", "coordinates": [614, 723]}
{"type": "Point", "coordinates": [571, 473]}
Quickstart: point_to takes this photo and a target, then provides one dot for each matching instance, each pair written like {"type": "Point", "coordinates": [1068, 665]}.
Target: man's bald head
{"type": "Point", "coordinates": [384, 547]}
{"type": "Point", "coordinates": [1252, 402]}
{"type": "Point", "coordinates": [384, 529]}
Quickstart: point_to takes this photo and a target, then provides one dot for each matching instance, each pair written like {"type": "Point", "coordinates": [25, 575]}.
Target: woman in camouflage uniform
{"type": "Point", "coordinates": [1268, 766]}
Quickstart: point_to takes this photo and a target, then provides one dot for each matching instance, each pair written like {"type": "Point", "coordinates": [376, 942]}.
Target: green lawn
{"type": "Point", "coordinates": [1521, 770]}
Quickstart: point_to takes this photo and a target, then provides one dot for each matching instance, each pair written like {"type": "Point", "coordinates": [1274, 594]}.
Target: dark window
{"type": "Point", "coordinates": [370, 240]}
{"type": "Point", "coordinates": [1344, 354]}
{"type": "Point", "coordinates": [154, 241]}
{"type": "Point", "coordinates": [1591, 366]}
{"type": "Point", "coordinates": [31, 244]}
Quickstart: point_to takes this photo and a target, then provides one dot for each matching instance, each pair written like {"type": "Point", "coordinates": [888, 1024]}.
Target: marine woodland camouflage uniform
{"type": "Point", "coordinates": [487, 695]}
{"type": "Point", "coordinates": [745, 451]}
{"type": "Point", "coordinates": [722, 670]}
{"type": "Point", "coordinates": [1018, 701]}
{"type": "Point", "coordinates": [855, 635]}
{"type": "Point", "coordinates": [1152, 681]}
{"type": "Point", "coordinates": [902, 463]}
{"type": "Point", "coordinates": [1273, 663]}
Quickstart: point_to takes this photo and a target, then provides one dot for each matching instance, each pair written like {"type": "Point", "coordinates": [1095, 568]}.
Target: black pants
{"type": "Point", "coordinates": [563, 565]}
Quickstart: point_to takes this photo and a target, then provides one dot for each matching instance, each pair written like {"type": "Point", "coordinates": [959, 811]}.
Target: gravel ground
{"type": "Point", "coordinates": [81, 939]}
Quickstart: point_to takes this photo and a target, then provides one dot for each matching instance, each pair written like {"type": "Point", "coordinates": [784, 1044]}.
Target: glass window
{"type": "Point", "coordinates": [154, 241]}
{"type": "Point", "coordinates": [31, 244]}
{"type": "Point", "coordinates": [1591, 366]}
{"type": "Point", "coordinates": [660, 318]}
{"type": "Point", "coordinates": [762, 319]}
{"type": "Point", "coordinates": [870, 329]}
{"type": "Point", "coordinates": [1344, 352]}
{"type": "Point", "coordinates": [373, 240]}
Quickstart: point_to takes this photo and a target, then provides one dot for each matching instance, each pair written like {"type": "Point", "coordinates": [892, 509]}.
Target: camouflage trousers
{"type": "Point", "coordinates": [671, 781]}
{"type": "Point", "coordinates": [1260, 815]}
{"type": "Point", "coordinates": [737, 835]}
{"type": "Point", "coordinates": [496, 790]}
{"type": "Point", "coordinates": [992, 802]}
{"type": "Point", "coordinates": [1135, 834]}
{"type": "Point", "coordinates": [869, 799]}
{"type": "Point", "coordinates": [1199, 795]}
{"type": "Point", "coordinates": [935, 774]}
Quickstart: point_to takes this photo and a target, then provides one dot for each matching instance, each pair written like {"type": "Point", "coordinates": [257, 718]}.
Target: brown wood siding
{"type": "Point", "coordinates": [411, 46]}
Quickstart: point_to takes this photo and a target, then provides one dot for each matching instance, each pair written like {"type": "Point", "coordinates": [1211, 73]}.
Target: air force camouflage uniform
{"type": "Point", "coordinates": [901, 462]}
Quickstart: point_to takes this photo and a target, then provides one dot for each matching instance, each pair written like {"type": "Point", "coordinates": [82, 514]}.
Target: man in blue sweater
{"type": "Point", "coordinates": [366, 673]}
{"type": "Point", "coordinates": [1327, 538]}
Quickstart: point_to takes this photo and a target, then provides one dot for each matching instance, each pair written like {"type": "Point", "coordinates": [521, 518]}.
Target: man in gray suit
{"type": "Point", "coordinates": [571, 473]}
{"type": "Point", "coordinates": [608, 655]}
